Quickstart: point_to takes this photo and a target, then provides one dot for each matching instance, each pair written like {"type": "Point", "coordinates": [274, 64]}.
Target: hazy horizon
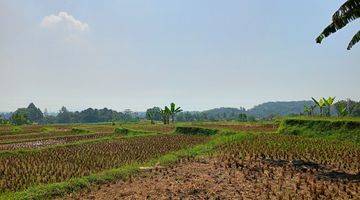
{"type": "Point", "coordinates": [200, 55]}
{"type": "Point", "coordinates": [81, 109]}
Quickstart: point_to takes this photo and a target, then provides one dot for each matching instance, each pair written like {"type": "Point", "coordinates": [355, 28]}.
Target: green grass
{"type": "Point", "coordinates": [16, 129]}
{"type": "Point", "coordinates": [73, 185]}
{"type": "Point", "coordinates": [332, 128]}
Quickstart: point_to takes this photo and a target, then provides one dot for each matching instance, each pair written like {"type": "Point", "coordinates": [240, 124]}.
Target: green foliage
{"type": "Point", "coordinates": [191, 130]}
{"type": "Point", "coordinates": [19, 118]}
{"type": "Point", "coordinates": [153, 114]}
{"type": "Point", "coordinates": [168, 113]}
{"type": "Point", "coordinates": [173, 111]}
{"type": "Point", "coordinates": [329, 102]}
{"type": "Point", "coordinates": [79, 131]}
{"type": "Point", "coordinates": [309, 110]}
{"type": "Point", "coordinates": [347, 13]}
{"type": "Point", "coordinates": [321, 104]}
{"type": "Point", "coordinates": [34, 114]}
{"type": "Point", "coordinates": [341, 129]}
{"type": "Point", "coordinates": [165, 114]}
{"type": "Point", "coordinates": [122, 131]}
{"type": "Point", "coordinates": [4, 121]}
{"type": "Point", "coordinates": [341, 108]}
{"type": "Point", "coordinates": [242, 117]}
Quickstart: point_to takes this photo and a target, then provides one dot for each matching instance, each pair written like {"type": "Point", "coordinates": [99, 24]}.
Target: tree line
{"type": "Point", "coordinates": [32, 114]}
{"type": "Point", "coordinates": [176, 114]}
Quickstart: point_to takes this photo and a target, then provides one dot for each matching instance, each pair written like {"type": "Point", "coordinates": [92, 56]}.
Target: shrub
{"type": "Point", "coordinates": [122, 131]}
{"type": "Point", "coordinates": [78, 130]}
{"type": "Point", "coordinates": [190, 130]}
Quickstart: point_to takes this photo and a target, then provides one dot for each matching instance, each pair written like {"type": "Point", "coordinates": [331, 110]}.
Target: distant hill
{"type": "Point", "coordinates": [224, 113]}
{"type": "Point", "coordinates": [281, 108]}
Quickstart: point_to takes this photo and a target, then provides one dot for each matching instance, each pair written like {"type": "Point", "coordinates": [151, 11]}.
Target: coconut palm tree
{"type": "Point", "coordinates": [321, 104]}
{"type": "Point", "coordinates": [347, 13]}
{"type": "Point", "coordinates": [329, 102]}
{"type": "Point", "coordinates": [174, 111]}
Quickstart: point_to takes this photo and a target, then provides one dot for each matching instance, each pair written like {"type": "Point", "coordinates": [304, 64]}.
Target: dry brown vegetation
{"type": "Point", "coordinates": [59, 164]}
{"type": "Point", "coordinates": [211, 178]}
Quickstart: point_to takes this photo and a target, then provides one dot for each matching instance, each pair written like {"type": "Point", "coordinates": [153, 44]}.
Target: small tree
{"type": "Point", "coordinates": [153, 114]}
{"type": "Point", "coordinates": [329, 102]}
{"type": "Point", "coordinates": [165, 114]}
{"type": "Point", "coordinates": [341, 109]}
{"type": "Point", "coordinates": [174, 111]}
{"type": "Point", "coordinates": [321, 104]}
{"type": "Point", "coordinates": [242, 117]}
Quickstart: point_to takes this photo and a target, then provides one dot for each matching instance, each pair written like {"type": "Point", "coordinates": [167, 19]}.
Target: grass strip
{"type": "Point", "coordinates": [339, 129]}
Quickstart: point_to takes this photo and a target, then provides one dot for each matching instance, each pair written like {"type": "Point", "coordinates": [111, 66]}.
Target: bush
{"type": "Point", "coordinates": [122, 131]}
{"type": "Point", "coordinates": [195, 130]}
{"type": "Point", "coordinates": [78, 130]}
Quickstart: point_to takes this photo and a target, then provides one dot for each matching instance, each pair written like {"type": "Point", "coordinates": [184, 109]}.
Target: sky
{"type": "Point", "coordinates": [202, 54]}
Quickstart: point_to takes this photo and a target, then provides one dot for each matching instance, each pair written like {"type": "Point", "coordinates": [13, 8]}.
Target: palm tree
{"type": "Point", "coordinates": [174, 111]}
{"type": "Point", "coordinates": [321, 104]}
{"type": "Point", "coordinates": [347, 13]}
{"type": "Point", "coordinates": [329, 102]}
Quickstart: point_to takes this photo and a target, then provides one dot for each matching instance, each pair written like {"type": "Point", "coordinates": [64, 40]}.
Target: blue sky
{"type": "Point", "coordinates": [199, 54]}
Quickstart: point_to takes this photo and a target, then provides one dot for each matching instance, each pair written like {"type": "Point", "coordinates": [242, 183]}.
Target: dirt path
{"type": "Point", "coordinates": [211, 179]}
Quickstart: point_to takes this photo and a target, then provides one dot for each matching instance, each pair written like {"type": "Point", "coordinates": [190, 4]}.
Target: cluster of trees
{"type": "Point", "coordinates": [172, 113]}
{"type": "Point", "coordinates": [218, 114]}
{"type": "Point", "coordinates": [328, 107]}
{"type": "Point", "coordinates": [91, 115]}
{"type": "Point", "coordinates": [347, 108]}
{"type": "Point", "coordinates": [323, 104]}
{"type": "Point", "coordinates": [157, 114]}
{"type": "Point", "coordinates": [27, 115]}
{"type": "Point", "coordinates": [32, 114]}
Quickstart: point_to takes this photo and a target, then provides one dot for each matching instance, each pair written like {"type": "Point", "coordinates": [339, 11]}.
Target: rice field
{"type": "Point", "coordinates": [248, 160]}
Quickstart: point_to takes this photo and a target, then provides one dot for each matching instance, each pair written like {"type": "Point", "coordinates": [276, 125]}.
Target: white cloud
{"type": "Point", "coordinates": [64, 19]}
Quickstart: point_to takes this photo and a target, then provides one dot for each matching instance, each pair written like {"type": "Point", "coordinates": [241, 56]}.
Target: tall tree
{"type": "Point", "coordinates": [347, 13]}
{"type": "Point", "coordinates": [64, 116]}
{"type": "Point", "coordinates": [34, 114]}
